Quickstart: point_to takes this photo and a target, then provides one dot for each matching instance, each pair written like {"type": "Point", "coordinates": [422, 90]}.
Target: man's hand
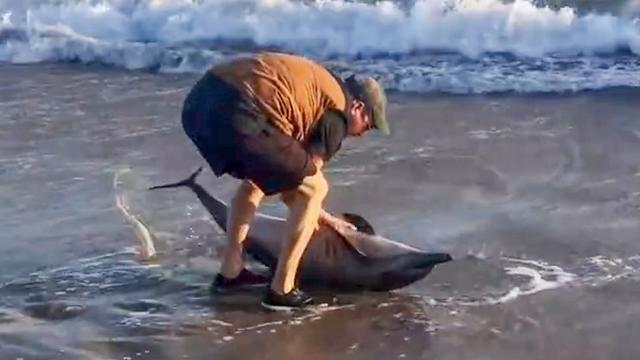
{"type": "Point", "coordinates": [336, 223]}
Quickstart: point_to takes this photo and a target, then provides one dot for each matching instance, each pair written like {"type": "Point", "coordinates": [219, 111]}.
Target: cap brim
{"type": "Point", "coordinates": [382, 126]}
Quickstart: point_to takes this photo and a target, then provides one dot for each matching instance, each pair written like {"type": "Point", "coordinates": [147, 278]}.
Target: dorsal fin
{"type": "Point", "coordinates": [360, 223]}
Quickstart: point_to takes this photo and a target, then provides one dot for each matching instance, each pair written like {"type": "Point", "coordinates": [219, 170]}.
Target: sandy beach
{"type": "Point", "coordinates": [537, 197]}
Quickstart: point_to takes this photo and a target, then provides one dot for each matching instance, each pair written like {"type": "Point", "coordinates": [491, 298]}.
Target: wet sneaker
{"type": "Point", "coordinates": [245, 279]}
{"type": "Point", "coordinates": [294, 299]}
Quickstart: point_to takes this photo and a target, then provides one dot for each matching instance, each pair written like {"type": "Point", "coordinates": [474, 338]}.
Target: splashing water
{"type": "Point", "coordinates": [458, 46]}
{"type": "Point", "coordinates": [143, 234]}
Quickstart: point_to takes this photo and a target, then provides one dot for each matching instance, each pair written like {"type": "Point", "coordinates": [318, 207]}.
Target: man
{"type": "Point", "coordinates": [273, 120]}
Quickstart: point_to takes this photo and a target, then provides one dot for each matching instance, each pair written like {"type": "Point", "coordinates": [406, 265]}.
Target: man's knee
{"type": "Point", "coordinates": [315, 187]}
{"type": "Point", "coordinates": [312, 188]}
{"type": "Point", "coordinates": [248, 191]}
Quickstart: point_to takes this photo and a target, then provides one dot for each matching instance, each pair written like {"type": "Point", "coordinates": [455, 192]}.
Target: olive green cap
{"type": "Point", "coordinates": [372, 94]}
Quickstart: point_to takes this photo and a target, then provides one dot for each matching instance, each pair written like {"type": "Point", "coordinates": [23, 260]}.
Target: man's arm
{"type": "Point", "coordinates": [336, 223]}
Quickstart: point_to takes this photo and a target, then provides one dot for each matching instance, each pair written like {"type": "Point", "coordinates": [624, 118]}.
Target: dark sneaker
{"type": "Point", "coordinates": [294, 299]}
{"type": "Point", "coordinates": [244, 280]}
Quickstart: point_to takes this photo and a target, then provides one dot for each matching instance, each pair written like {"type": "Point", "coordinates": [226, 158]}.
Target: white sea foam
{"type": "Point", "coordinates": [538, 276]}
{"type": "Point", "coordinates": [471, 27]}
{"type": "Point", "coordinates": [434, 45]}
{"type": "Point", "coordinates": [542, 276]}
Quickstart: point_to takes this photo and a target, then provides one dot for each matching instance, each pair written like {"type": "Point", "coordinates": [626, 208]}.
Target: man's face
{"type": "Point", "coordinates": [360, 118]}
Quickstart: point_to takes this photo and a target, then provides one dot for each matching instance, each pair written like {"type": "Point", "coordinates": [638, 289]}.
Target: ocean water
{"type": "Point", "coordinates": [515, 134]}
{"type": "Point", "coordinates": [451, 46]}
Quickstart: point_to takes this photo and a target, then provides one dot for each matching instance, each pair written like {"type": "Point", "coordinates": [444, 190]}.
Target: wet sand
{"type": "Point", "coordinates": [537, 197]}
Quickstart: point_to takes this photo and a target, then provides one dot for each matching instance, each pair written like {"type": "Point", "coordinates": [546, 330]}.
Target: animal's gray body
{"type": "Point", "coordinates": [355, 260]}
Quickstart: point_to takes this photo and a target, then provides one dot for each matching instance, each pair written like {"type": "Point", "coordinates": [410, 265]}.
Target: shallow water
{"type": "Point", "coordinates": [537, 198]}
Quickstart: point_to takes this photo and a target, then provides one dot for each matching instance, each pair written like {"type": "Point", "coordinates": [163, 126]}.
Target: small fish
{"type": "Point", "coordinates": [141, 230]}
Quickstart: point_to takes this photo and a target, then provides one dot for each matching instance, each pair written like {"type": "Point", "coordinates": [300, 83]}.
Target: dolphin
{"type": "Point", "coordinates": [353, 260]}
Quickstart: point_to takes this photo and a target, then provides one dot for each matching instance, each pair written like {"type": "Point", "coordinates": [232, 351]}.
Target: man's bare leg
{"type": "Point", "coordinates": [305, 204]}
{"type": "Point", "coordinates": [243, 208]}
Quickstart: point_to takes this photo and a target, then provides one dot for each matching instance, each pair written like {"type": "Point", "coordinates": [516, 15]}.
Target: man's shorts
{"type": "Point", "coordinates": [236, 141]}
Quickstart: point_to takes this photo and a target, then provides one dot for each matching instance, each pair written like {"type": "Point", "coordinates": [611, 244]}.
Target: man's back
{"type": "Point", "coordinates": [292, 91]}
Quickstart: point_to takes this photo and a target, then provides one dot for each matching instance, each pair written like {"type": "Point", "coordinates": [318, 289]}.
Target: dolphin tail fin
{"type": "Point", "coordinates": [188, 182]}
